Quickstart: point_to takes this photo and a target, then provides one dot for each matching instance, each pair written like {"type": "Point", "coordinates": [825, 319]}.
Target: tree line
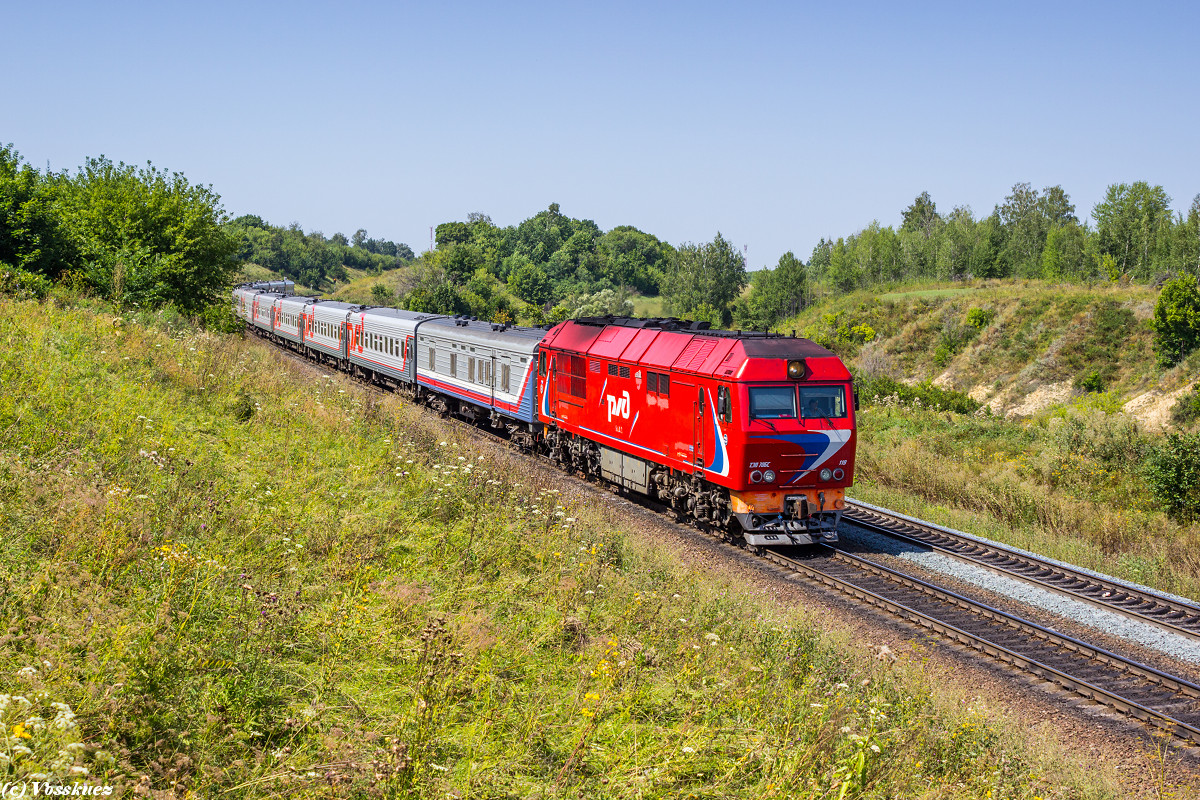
{"type": "Point", "coordinates": [1132, 235]}
{"type": "Point", "coordinates": [310, 258]}
{"type": "Point", "coordinates": [145, 236]}
{"type": "Point", "coordinates": [553, 264]}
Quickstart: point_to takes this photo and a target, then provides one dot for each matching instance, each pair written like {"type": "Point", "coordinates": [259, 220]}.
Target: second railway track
{"type": "Point", "coordinates": [1162, 701]}
{"type": "Point", "coordinates": [1137, 603]}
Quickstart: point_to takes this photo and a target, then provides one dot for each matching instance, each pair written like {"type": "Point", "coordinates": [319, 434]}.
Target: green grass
{"type": "Point", "coordinates": [245, 580]}
{"type": "Point", "coordinates": [999, 340]}
{"type": "Point", "coordinates": [648, 306]}
{"type": "Point", "coordinates": [923, 294]}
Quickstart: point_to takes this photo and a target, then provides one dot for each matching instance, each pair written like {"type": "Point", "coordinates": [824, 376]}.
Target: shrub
{"type": "Point", "coordinates": [879, 388]}
{"type": "Point", "coordinates": [219, 318]}
{"type": "Point", "coordinates": [382, 295]}
{"type": "Point", "coordinates": [1172, 469]}
{"type": "Point", "coordinates": [21, 284]}
{"type": "Point", "coordinates": [1176, 320]}
{"type": "Point", "coordinates": [979, 318]}
{"type": "Point", "coordinates": [1090, 382]}
{"type": "Point", "coordinates": [1187, 409]}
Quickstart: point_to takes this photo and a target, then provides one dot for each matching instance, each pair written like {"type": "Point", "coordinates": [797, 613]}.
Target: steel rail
{"type": "Point", "coordinates": [1073, 683]}
{"type": "Point", "coordinates": [1136, 603]}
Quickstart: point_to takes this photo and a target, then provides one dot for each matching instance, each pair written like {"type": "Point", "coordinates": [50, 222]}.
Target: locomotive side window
{"type": "Point", "coordinates": [724, 404]}
{"type": "Point", "coordinates": [504, 375]}
{"type": "Point", "coordinates": [823, 401]}
{"type": "Point", "coordinates": [431, 362]}
{"type": "Point", "coordinates": [772, 402]}
{"type": "Point", "coordinates": [454, 364]}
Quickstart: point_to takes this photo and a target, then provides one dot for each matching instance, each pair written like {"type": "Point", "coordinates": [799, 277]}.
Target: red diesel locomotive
{"type": "Point", "coordinates": [750, 432]}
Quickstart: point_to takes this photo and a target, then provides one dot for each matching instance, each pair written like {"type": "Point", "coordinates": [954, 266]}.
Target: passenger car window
{"type": "Point", "coordinates": [772, 402]}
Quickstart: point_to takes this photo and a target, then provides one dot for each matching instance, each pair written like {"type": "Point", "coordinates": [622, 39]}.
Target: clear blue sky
{"type": "Point", "coordinates": [775, 123]}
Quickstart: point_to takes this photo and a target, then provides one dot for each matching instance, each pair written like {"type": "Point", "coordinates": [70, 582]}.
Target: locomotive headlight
{"type": "Point", "coordinates": [826, 474]}
{"type": "Point", "coordinates": [838, 474]}
{"type": "Point", "coordinates": [755, 476]}
{"type": "Point", "coordinates": [795, 369]}
{"type": "Point", "coordinates": [769, 476]}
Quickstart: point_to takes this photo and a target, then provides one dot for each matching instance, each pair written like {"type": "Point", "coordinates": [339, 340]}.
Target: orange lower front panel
{"type": "Point", "coordinates": [773, 502]}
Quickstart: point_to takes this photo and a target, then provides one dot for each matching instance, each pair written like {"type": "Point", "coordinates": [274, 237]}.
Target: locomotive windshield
{"type": "Point", "coordinates": [823, 401]}
{"type": "Point", "coordinates": [772, 402]}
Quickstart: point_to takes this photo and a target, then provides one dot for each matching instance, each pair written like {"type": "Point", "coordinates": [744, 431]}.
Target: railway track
{"type": "Point", "coordinates": [1136, 603]}
{"type": "Point", "coordinates": [1162, 701]}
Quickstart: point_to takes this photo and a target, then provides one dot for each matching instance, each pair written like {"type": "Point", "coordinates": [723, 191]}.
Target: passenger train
{"type": "Point", "coordinates": [749, 433]}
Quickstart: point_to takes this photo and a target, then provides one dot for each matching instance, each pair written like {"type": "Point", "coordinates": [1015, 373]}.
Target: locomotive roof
{"type": "Point", "coordinates": [683, 346]}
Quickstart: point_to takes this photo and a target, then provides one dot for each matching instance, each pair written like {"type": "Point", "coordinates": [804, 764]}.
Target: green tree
{"type": "Point", "coordinates": [843, 271]}
{"type": "Point", "coordinates": [1065, 255]}
{"type": "Point", "coordinates": [709, 275]}
{"type": "Point", "coordinates": [452, 233]}
{"type": "Point", "coordinates": [148, 236]}
{"type": "Point", "coordinates": [1131, 222]}
{"type": "Point", "coordinates": [381, 295]}
{"type": "Point", "coordinates": [1026, 217]}
{"type": "Point", "coordinates": [775, 294]}
{"type": "Point", "coordinates": [630, 257]}
{"type": "Point", "coordinates": [530, 283]}
{"type": "Point", "coordinates": [921, 216]}
{"type": "Point", "coordinates": [606, 301]}
{"type": "Point", "coordinates": [31, 237]}
{"type": "Point", "coordinates": [1176, 320]}
{"type": "Point", "coordinates": [458, 260]}
{"type": "Point", "coordinates": [1172, 470]}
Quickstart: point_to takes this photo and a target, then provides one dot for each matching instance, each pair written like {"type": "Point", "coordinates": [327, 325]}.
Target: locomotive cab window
{"type": "Point", "coordinates": [823, 401]}
{"type": "Point", "coordinates": [772, 402]}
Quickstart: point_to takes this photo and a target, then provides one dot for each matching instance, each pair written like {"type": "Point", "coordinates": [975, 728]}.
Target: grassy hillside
{"type": "Point", "coordinates": [1017, 346]}
{"type": "Point", "coordinates": [238, 578]}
